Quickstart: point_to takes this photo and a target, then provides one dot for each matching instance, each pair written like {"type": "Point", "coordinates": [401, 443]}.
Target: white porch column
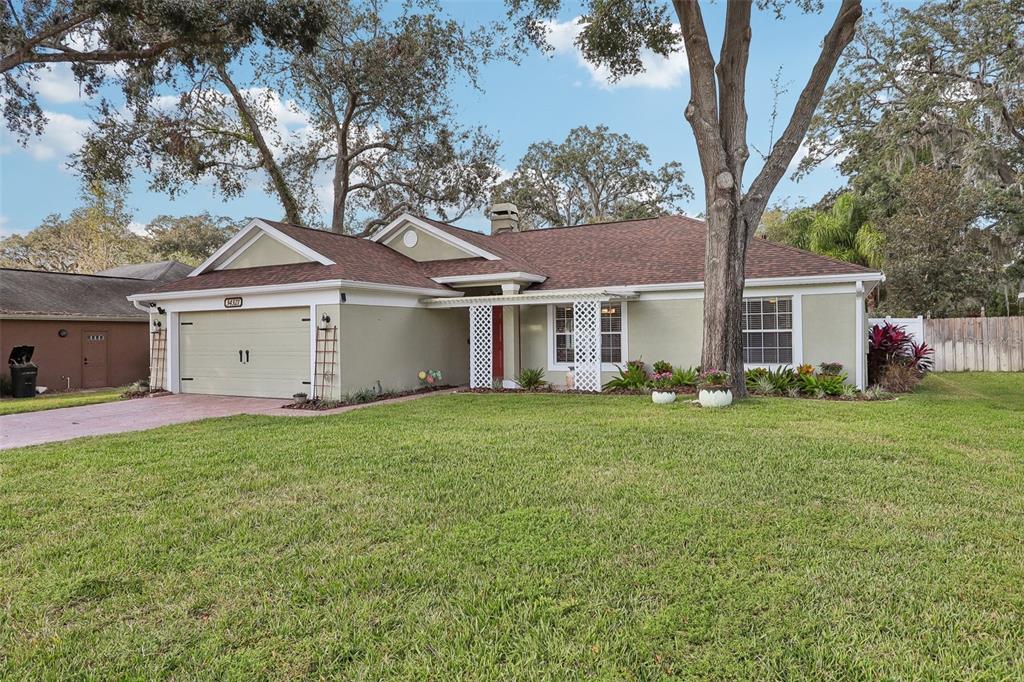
{"type": "Point", "coordinates": [480, 346]}
{"type": "Point", "coordinates": [586, 320]}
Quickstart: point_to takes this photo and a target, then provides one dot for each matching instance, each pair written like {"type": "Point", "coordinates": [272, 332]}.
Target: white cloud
{"type": "Point", "coordinates": [63, 135]}
{"type": "Point", "coordinates": [137, 227]}
{"type": "Point", "coordinates": [660, 73]}
{"type": "Point", "coordinates": [57, 84]}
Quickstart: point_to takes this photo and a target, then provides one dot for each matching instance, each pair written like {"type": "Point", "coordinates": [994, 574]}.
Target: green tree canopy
{"type": "Point", "coordinates": [94, 237]}
{"type": "Point", "coordinates": [148, 40]}
{"type": "Point", "coordinates": [594, 175]}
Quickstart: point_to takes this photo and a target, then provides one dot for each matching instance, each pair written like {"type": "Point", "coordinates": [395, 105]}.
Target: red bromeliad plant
{"type": "Point", "coordinates": [890, 343]}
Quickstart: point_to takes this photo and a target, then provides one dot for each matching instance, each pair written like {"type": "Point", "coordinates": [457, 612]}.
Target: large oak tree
{"type": "Point", "coordinates": [616, 32]}
{"type": "Point", "coordinates": [147, 39]}
{"type": "Point", "coordinates": [593, 176]}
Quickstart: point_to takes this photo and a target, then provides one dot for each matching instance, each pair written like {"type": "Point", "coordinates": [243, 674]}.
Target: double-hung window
{"type": "Point", "coordinates": [611, 334]}
{"type": "Point", "coordinates": [768, 331]}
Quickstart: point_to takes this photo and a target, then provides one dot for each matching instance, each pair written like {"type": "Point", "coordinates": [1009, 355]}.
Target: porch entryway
{"type": "Point", "coordinates": [489, 337]}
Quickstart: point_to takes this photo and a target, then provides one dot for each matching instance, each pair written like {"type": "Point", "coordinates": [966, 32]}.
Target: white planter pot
{"type": "Point", "coordinates": [715, 398]}
{"type": "Point", "coordinates": [663, 397]}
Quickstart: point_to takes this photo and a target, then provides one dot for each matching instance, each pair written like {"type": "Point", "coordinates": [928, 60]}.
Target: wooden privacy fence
{"type": "Point", "coordinates": [981, 344]}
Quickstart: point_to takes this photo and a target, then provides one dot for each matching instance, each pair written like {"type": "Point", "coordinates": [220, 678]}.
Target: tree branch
{"type": "Point", "coordinates": [95, 57]}
{"type": "Point", "coordinates": [838, 37]}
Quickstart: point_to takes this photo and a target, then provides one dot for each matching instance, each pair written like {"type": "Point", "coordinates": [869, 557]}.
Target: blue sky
{"type": "Point", "coordinates": [541, 98]}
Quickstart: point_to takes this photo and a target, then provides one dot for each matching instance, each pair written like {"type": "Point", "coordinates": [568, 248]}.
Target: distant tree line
{"type": "Point", "coordinates": [98, 236]}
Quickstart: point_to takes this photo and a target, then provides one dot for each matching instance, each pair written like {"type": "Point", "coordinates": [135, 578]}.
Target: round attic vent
{"type": "Point", "coordinates": [410, 238]}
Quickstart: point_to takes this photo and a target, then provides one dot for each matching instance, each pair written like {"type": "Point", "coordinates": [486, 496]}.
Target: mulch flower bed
{"type": "Point", "coordinates": [686, 390]}
{"type": "Point", "coordinates": [317, 404]}
{"type": "Point", "coordinates": [132, 395]}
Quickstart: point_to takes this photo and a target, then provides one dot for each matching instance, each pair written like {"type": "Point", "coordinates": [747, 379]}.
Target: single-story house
{"type": "Point", "coordinates": [85, 332]}
{"type": "Point", "coordinates": [281, 309]}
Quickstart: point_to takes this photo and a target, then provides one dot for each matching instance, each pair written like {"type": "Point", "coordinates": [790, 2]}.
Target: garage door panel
{"type": "Point", "coordinates": [277, 341]}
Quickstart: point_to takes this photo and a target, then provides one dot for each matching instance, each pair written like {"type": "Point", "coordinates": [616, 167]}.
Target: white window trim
{"type": "Point", "coordinates": [549, 332]}
{"type": "Point", "coordinates": [798, 332]}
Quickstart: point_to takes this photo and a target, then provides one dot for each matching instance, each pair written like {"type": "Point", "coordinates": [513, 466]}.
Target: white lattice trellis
{"type": "Point", "coordinates": [586, 320]}
{"type": "Point", "coordinates": [480, 346]}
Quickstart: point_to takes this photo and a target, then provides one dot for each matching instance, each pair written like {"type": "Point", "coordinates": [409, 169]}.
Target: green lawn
{"type": "Point", "coordinates": [56, 400]}
{"type": "Point", "coordinates": [541, 536]}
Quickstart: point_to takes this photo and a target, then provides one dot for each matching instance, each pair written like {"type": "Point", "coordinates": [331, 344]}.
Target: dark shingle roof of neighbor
{"type": "Point", "coordinates": [160, 271]}
{"type": "Point", "coordinates": [664, 250]}
{"type": "Point", "coordinates": [71, 295]}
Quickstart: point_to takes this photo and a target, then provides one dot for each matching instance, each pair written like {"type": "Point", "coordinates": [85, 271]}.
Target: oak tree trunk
{"type": "Point", "coordinates": [718, 116]}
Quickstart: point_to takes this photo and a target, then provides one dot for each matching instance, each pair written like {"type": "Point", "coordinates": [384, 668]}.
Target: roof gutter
{"type": "Point", "coordinates": [291, 287]}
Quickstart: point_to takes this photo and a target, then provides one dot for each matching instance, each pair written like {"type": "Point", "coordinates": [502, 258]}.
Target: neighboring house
{"type": "Point", "coordinates": [280, 309]}
{"type": "Point", "coordinates": [85, 332]}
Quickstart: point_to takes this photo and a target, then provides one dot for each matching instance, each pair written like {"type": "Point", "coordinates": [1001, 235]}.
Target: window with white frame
{"type": "Point", "coordinates": [611, 333]}
{"type": "Point", "coordinates": [768, 330]}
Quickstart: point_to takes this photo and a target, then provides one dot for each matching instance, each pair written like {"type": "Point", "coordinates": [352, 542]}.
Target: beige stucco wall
{"type": "Point", "coordinates": [428, 247]}
{"type": "Point", "coordinates": [666, 330]}
{"type": "Point", "coordinates": [830, 330]}
{"type": "Point", "coordinates": [266, 251]}
{"type": "Point", "coordinates": [391, 344]}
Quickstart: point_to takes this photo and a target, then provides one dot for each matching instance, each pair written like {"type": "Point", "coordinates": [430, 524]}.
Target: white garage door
{"type": "Point", "coordinates": [261, 353]}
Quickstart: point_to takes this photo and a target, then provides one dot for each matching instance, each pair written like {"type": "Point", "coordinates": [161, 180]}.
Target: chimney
{"type": "Point", "coordinates": [504, 218]}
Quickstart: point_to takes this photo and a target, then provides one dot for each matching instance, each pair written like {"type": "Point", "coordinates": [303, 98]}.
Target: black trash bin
{"type": "Point", "coordinates": [23, 371]}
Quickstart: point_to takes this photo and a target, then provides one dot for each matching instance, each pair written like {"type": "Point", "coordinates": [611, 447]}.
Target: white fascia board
{"type": "Point", "coordinates": [408, 219]}
{"type": "Point", "coordinates": [532, 298]}
{"type": "Point", "coordinates": [851, 278]}
{"type": "Point", "coordinates": [244, 238]}
{"type": "Point", "coordinates": [495, 278]}
{"type": "Point", "coordinates": [292, 287]}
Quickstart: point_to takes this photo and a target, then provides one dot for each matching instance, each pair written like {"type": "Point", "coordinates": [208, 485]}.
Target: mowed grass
{"type": "Point", "coordinates": [58, 400]}
{"type": "Point", "coordinates": [526, 537]}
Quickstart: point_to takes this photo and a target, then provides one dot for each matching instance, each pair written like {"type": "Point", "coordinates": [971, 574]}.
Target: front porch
{"type": "Point", "coordinates": [495, 355]}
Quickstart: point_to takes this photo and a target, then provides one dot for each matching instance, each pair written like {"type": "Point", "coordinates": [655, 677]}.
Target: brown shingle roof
{"type": "Point", "coordinates": [661, 250]}
{"type": "Point", "coordinates": [355, 259]}
{"type": "Point", "coordinates": [664, 250]}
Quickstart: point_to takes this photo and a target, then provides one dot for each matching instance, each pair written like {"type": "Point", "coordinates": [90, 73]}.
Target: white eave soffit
{"type": "Point", "coordinates": [248, 235]}
{"type": "Point", "coordinates": [407, 219]}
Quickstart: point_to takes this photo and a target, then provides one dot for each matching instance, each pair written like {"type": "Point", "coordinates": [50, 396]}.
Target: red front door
{"type": "Point", "coordinates": [497, 343]}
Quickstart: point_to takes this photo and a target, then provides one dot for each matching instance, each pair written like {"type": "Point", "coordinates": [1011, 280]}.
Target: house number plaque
{"type": "Point", "coordinates": [233, 302]}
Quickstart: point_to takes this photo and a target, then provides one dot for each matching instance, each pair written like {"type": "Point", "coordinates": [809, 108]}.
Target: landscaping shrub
{"type": "Point", "coordinates": [531, 378]}
{"type": "Point", "coordinates": [632, 377]}
{"type": "Point", "coordinates": [876, 392]}
{"type": "Point", "coordinates": [889, 344]}
{"type": "Point", "coordinates": [830, 368]}
{"type": "Point", "coordinates": [780, 380]}
{"type": "Point", "coordinates": [821, 385]}
{"type": "Point", "coordinates": [713, 378]}
{"type": "Point", "coordinates": [900, 377]}
{"type": "Point", "coordinates": [783, 379]}
{"type": "Point", "coordinates": [662, 381]}
{"type": "Point", "coordinates": [754, 375]}
{"type": "Point", "coordinates": [662, 367]}
{"type": "Point", "coordinates": [805, 369]}
{"type": "Point", "coordinates": [685, 376]}
{"type": "Point", "coordinates": [363, 395]}
{"type": "Point", "coordinates": [762, 385]}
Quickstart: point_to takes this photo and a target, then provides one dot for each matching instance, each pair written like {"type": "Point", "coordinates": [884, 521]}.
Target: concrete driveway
{"type": "Point", "coordinates": [47, 426]}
